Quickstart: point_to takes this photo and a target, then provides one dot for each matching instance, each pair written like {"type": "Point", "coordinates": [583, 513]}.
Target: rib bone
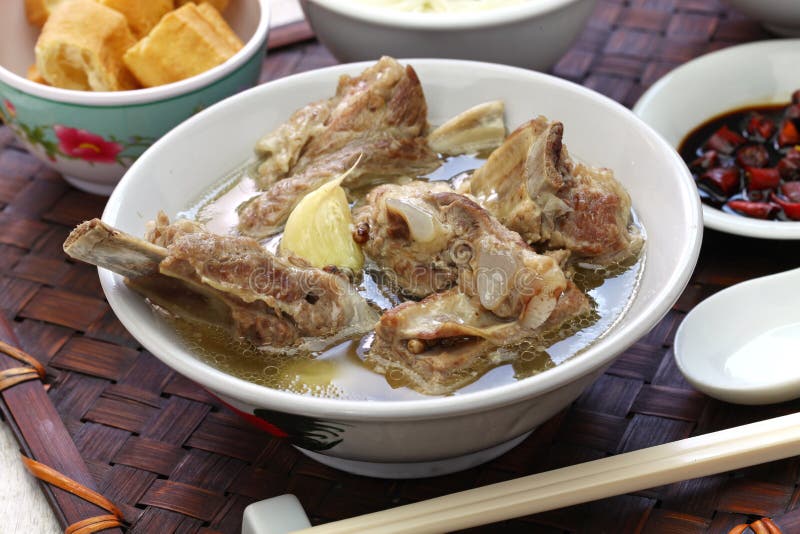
{"type": "Point", "coordinates": [97, 243]}
{"type": "Point", "coordinates": [270, 300]}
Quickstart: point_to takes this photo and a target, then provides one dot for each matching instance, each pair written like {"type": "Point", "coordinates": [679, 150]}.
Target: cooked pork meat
{"type": "Point", "coordinates": [379, 116]}
{"type": "Point", "coordinates": [533, 187]}
{"type": "Point", "coordinates": [375, 159]}
{"type": "Point", "coordinates": [402, 232]}
{"type": "Point", "coordinates": [387, 97]}
{"type": "Point", "coordinates": [572, 303]}
{"type": "Point", "coordinates": [269, 300]}
{"type": "Point", "coordinates": [429, 239]}
{"type": "Point", "coordinates": [598, 225]}
{"type": "Point", "coordinates": [280, 149]}
{"type": "Point", "coordinates": [485, 287]}
{"type": "Point", "coordinates": [434, 340]}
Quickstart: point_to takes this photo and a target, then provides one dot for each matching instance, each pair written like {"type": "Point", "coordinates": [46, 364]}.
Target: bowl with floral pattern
{"type": "Point", "coordinates": [92, 138]}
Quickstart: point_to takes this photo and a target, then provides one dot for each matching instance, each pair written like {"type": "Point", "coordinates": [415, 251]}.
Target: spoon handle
{"type": "Point", "coordinates": [694, 457]}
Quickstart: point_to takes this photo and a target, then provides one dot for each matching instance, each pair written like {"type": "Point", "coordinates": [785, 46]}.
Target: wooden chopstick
{"type": "Point", "coordinates": [694, 457]}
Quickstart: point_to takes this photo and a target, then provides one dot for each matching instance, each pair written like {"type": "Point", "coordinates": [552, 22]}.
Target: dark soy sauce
{"type": "Point", "coordinates": [694, 146]}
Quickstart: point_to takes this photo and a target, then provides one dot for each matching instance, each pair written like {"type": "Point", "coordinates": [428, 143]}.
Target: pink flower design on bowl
{"type": "Point", "coordinates": [12, 110]}
{"type": "Point", "coordinates": [85, 145]}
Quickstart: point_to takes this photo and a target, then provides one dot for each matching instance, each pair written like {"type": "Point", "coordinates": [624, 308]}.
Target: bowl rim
{"type": "Point", "coordinates": [430, 408]}
{"type": "Point", "coordinates": [150, 94]}
{"type": "Point", "coordinates": [442, 21]}
{"type": "Point", "coordinates": [713, 217]}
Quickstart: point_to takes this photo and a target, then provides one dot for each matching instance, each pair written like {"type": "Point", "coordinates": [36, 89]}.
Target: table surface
{"type": "Point", "coordinates": [23, 507]}
{"type": "Point", "coordinates": [641, 401]}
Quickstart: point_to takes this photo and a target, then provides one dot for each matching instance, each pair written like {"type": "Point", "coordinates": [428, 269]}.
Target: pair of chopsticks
{"type": "Point", "coordinates": [694, 457]}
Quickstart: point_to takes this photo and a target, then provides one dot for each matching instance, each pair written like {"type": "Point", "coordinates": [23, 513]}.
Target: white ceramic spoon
{"type": "Point", "coordinates": [742, 344]}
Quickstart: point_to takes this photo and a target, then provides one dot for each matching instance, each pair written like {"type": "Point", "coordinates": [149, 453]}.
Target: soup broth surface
{"type": "Point", "coordinates": [340, 371]}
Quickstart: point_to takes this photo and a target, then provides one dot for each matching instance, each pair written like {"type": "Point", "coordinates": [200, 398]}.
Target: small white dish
{"type": "Point", "coordinates": [742, 345]}
{"type": "Point", "coordinates": [764, 72]}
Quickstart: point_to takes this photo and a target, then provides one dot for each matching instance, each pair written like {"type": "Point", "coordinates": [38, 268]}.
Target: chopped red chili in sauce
{"type": "Point", "coordinates": [747, 161]}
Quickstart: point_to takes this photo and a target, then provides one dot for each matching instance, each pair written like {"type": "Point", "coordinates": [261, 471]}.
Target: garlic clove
{"type": "Point", "coordinates": [319, 230]}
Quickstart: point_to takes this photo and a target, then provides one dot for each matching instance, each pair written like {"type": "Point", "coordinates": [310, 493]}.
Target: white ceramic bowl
{"type": "Point", "coordinates": [92, 138]}
{"type": "Point", "coordinates": [751, 74]}
{"type": "Point", "coordinates": [778, 16]}
{"type": "Point", "coordinates": [533, 34]}
{"type": "Point", "coordinates": [427, 436]}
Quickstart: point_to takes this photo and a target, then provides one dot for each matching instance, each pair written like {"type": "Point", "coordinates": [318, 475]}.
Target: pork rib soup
{"type": "Point", "coordinates": [365, 254]}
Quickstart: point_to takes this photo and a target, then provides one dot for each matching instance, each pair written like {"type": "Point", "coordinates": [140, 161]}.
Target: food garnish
{"type": "Point", "coordinates": [747, 161]}
{"type": "Point", "coordinates": [319, 229]}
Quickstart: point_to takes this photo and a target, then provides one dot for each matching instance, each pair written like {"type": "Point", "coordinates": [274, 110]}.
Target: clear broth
{"type": "Point", "coordinates": [340, 371]}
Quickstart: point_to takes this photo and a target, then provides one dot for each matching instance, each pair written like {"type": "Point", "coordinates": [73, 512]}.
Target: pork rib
{"type": "Point", "coordinates": [444, 340]}
{"type": "Point", "coordinates": [368, 161]}
{"type": "Point", "coordinates": [533, 187]}
{"type": "Point", "coordinates": [269, 300]}
{"type": "Point", "coordinates": [484, 287]}
{"type": "Point", "coordinates": [429, 239]}
{"type": "Point", "coordinates": [380, 116]}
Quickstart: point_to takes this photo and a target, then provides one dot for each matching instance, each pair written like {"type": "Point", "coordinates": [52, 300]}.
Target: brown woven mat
{"type": "Point", "coordinates": [175, 461]}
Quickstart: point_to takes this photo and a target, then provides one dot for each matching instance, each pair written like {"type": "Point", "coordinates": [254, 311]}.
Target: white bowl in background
{"type": "Point", "coordinates": [533, 34]}
{"type": "Point", "coordinates": [427, 436]}
{"type": "Point", "coordinates": [778, 16]}
{"type": "Point", "coordinates": [764, 72]}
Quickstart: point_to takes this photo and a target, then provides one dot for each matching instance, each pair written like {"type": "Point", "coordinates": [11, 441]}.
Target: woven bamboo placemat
{"type": "Point", "coordinates": [174, 460]}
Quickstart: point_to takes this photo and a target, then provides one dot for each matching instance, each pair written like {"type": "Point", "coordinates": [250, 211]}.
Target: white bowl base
{"type": "Point", "coordinates": [400, 470]}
